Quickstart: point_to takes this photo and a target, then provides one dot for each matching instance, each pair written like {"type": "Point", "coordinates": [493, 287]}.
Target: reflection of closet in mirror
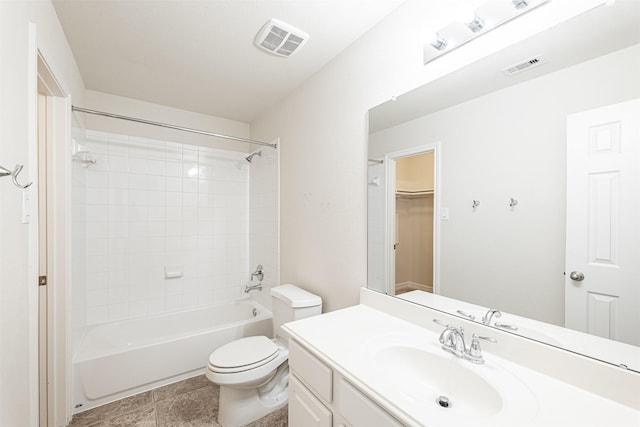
{"type": "Point", "coordinates": [414, 223]}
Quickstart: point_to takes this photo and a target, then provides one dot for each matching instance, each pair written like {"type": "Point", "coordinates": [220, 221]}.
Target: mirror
{"type": "Point", "coordinates": [500, 227]}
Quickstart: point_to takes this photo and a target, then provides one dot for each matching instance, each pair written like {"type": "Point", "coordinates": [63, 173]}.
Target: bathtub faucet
{"type": "Point", "coordinates": [259, 273]}
{"type": "Point", "coordinates": [257, 287]}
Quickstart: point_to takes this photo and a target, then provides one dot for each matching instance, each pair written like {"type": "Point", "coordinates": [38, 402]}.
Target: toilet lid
{"type": "Point", "coordinates": [244, 353]}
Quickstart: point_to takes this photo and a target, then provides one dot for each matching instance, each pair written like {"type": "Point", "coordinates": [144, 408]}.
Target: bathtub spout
{"type": "Point", "coordinates": [257, 287]}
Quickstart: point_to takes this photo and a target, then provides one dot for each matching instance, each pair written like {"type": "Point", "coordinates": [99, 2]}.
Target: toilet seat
{"type": "Point", "coordinates": [250, 375]}
{"type": "Point", "coordinates": [243, 354]}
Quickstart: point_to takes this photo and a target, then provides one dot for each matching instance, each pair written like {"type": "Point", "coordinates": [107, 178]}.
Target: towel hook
{"type": "Point", "coordinates": [14, 175]}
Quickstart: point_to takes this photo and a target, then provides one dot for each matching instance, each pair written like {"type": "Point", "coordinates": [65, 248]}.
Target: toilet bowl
{"type": "Point", "coordinates": [253, 372]}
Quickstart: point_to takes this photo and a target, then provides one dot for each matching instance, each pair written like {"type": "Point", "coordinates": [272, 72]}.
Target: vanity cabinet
{"type": "Point", "coordinates": [320, 396]}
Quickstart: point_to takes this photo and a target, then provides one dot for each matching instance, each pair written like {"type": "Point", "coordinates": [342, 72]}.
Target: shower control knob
{"type": "Point", "coordinates": [577, 276]}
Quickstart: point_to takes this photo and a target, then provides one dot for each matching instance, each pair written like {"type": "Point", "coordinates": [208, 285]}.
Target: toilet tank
{"type": "Point", "coordinates": [292, 303]}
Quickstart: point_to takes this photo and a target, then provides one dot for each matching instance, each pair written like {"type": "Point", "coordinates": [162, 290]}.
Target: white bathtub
{"type": "Point", "coordinates": [118, 359]}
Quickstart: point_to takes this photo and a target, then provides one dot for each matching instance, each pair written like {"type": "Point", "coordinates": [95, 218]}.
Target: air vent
{"type": "Point", "coordinates": [280, 38]}
{"type": "Point", "coordinates": [524, 65]}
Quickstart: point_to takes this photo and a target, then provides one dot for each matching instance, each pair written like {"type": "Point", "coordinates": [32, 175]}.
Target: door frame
{"type": "Point", "coordinates": [390, 211]}
{"type": "Point", "coordinates": [57, 395]}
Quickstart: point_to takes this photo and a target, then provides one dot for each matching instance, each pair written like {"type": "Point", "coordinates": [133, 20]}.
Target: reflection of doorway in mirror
{"type": "Point", "coordinates": [414, 203]}
{"type": "Point", "coordinates": [603, 207]}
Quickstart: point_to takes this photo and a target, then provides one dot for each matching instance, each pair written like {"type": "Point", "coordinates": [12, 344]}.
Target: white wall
{"type": "Point", "coordinates": [264, 220]}
{"type": "Point", "coordinates": [18, 377]}
{"type": "Point", "coordinates": [511, 143]}
{"type": "Point", "coordinates": [323, 132]}
{"type": "Point", "coordinates": [161, 113]}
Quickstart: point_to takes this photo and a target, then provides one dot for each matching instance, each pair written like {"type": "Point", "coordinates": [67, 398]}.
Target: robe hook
{"type": "Point", "coordinates": [14, 175]}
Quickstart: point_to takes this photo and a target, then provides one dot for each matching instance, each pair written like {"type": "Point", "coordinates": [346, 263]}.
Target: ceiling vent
{"type": "Point", "coordinates": [280, 38]}
{"type": "Point", "coordinates": [524, 65]}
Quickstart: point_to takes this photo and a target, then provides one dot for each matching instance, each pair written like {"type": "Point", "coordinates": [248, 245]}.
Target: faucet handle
{"type": "Point", "coordinates": [474, 354]}
{"type": "Point", "coordinates": [476, 337]}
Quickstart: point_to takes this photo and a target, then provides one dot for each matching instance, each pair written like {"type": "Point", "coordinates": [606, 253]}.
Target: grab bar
{"type": "Point", "coordinates": [14, 175]}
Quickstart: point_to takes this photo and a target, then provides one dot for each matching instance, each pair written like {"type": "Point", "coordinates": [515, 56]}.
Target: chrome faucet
{"type": "Point", "coordinates": [452, 340]}
{"type": "Point", "coordinates": [486, 319]}
{"type": "Point", "coordinates": [259, 273]}
{"type": "Point", "coordinates": [257, 287]}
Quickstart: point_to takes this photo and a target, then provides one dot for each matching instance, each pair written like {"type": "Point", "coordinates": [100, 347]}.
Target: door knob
{"type": "Point", "coordinates": [577, 276]}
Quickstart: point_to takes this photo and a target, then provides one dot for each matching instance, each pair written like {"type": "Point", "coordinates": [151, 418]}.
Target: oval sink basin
{"type": "Point", "coordinates": [473, 393]}
{"type": "Point", "coordinates": [430, 376]}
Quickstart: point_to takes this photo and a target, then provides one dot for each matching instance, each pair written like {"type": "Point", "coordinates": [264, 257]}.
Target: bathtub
{"type": "Point", "coordinates": [119, 359]}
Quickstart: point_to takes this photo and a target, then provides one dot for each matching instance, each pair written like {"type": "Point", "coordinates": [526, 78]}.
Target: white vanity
{"type": "Point", "coordinates": [380, 363]}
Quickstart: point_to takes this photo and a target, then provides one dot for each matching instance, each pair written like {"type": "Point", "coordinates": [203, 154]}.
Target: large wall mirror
{"type": "Point", "coordinates": [512, 213]}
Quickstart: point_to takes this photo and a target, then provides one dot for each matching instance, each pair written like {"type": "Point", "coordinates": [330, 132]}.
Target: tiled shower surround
{"type": "Point", "coordinates": [149, 210]}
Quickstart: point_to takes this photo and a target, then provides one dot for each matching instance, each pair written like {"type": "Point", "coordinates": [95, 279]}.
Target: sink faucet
{"type": "Point", "coordinates": [452, 340]}
{"type": "Point", "coordinates": [486, 319]}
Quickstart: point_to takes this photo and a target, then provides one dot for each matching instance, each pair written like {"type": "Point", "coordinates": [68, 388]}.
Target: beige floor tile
{"type": "Point", "coordinates": [144, 418]}
{"type": "Point", "coordinates": [190, 384]}
{"type": "Point", "coordinates": [189, 403]}
{"type": "Point", "coordinates": [274, 419]}
{"type": "Point", "coordinates": [136, 403]}
{"type": "Point", "coordinates": [197, 408]}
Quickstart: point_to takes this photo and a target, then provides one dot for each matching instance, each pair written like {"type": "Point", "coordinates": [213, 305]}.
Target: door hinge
{"type": "Point", "coordinates": [42, 281]}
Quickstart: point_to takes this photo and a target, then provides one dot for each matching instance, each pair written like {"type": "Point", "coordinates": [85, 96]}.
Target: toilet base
{"type": "Point", "coordinates": [240, 406]}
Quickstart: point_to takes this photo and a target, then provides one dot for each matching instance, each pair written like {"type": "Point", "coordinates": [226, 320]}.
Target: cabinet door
{"type": "Point", "coordinates": [359, 410]}
{"type": "Point", "coordinates": [305, 410]}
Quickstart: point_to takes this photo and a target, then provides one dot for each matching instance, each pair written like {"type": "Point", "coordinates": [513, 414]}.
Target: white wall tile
{"type": "Point", "coordinates": [118, 311]}
{"type": "Point", "coordinates": [138, 308]}
{"type": "Point", "coordinates": [157, 167]}
{"type": "Point", "coordinates": [156, 305]}
{"type": "Point", "coordinates": [151, 204]}
{"type": "Point", "coordinates": [97, 315]}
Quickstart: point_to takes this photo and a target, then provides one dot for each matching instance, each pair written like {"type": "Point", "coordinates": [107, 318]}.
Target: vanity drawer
{"type": "Point", "coordinates": [359, 410]}
{"type": "Point", "coordinates": [315, 374]}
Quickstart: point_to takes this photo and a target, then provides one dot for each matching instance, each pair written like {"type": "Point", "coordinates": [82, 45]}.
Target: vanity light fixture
{"type": "Point", "coordinates": [485, 18]}
{"type": "Point", "coordinates": [476, 25]}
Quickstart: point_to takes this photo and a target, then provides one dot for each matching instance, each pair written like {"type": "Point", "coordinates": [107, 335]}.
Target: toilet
{"type": "Point", "coordinates": [253, 372]}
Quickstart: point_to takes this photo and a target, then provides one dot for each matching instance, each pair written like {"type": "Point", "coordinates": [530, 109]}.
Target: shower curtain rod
{"type": "Point", "coordinates": [169, 126]}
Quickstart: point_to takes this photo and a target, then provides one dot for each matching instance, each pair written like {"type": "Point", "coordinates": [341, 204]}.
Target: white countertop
{"type": "Point", "coordinates": [347, 339]}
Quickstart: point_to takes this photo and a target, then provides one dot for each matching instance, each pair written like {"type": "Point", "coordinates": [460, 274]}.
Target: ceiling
{"type": "Point", "coordinates": [597, 32]}
{"type": "Point", "coordinates": [199, 55]}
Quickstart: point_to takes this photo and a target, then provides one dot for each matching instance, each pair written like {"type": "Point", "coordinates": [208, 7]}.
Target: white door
{"type": "Point", "coordinates": [602, 286]}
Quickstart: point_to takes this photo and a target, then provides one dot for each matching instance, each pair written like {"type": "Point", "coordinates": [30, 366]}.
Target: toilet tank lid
{"type": "Point", "coordinates": [295, 297]}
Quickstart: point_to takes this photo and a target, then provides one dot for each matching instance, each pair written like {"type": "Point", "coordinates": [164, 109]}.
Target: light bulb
{"type": "Point", "coordinates": [440, 42]}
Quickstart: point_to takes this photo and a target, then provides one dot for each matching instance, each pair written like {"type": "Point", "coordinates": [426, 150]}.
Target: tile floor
{"type": "Point", "coordinates": [189, 403]}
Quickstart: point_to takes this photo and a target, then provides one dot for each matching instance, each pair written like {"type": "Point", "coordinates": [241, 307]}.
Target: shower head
{"type": "Point", "coordinates": [249, 158]}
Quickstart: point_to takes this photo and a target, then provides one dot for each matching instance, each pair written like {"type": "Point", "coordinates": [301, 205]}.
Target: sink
{"type": "Point", "coordinates": [422, 376]}
{"type": "Point", "coordinates": [430, 376]}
